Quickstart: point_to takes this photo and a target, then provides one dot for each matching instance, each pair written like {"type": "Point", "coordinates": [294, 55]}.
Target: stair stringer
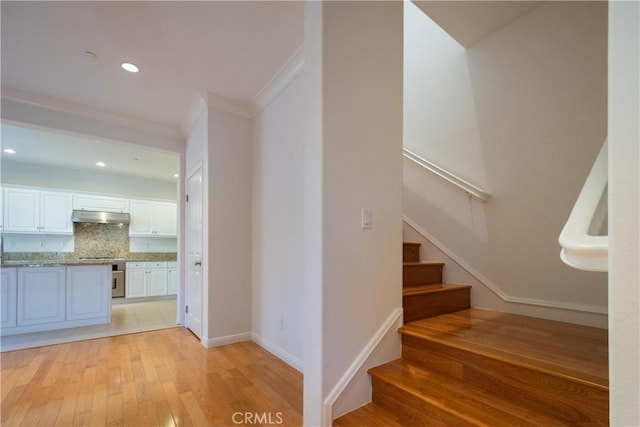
{"type": "Point", "coordinates": [385, 345]}
{"type": "Point", "coordinates": [487, 295]}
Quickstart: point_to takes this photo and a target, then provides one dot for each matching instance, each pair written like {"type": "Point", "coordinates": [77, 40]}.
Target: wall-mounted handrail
{"type": "Point", "coordinates": [580, 249]}
{"type": "Point", "coordinates": [467, 187]}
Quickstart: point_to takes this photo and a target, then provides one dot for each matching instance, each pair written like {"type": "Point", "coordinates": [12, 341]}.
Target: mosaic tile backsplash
{"type": "Point", "coordinates": [95, 241]}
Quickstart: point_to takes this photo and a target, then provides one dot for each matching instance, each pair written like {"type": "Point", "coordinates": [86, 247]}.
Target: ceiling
{"type": "Point", "coordinates": [63, 150]}
{"type": "Point", "coordinates": [185, 50]}
{"type": "Point", "coordinates": [470, 21]}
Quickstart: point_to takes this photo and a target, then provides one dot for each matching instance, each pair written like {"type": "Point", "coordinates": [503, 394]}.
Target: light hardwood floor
{"type": "Point", "coordinates": [163, 378]}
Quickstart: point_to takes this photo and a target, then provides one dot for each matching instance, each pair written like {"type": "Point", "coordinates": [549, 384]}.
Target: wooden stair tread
{"type": "Point", "coordinates": [431, 288]}
{"type": "Point", "coordinates": [420, 263]}
{"type": "Point", "coordinates": [577, 352]}
{"type": "Point", "coordinates": [467, 403]}
{"type": "Point", "coordinates": [370, 415]}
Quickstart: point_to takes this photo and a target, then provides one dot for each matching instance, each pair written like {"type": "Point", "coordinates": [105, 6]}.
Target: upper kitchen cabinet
{"type": "Point", "coordinates": [90, 202]}
{"type": "Point", "coordinates": [156, 219]}
{"type": "Point", "coordinates": [34, 211]}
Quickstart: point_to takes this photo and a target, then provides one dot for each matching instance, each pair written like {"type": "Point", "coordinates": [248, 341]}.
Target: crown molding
{"type": "Point", "coordinates": [84, 111]}
{"type": "Point", "coordinates": [280, 80]}
{"type": "Point", "coordinates": [233, 106]}
{"type": "Point", "coordinates": [198, 106]}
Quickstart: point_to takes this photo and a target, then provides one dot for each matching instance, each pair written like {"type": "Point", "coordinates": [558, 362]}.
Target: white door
{"type": "Point", "coordinates": [193, 286]}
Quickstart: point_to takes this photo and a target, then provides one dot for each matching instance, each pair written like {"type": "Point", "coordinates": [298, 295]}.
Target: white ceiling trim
{"type": "Point", "coordinates": [285, 75]}
{"type": "Point", "coordinates": [233, 106]}
{"type": "Point", "coordinates": [89, 112]}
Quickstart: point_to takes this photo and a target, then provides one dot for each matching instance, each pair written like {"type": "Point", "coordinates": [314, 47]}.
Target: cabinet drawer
{"type": "Point", "coordinates": [131, 265]}
{"type": "Point", "coordinates": [156, 264]}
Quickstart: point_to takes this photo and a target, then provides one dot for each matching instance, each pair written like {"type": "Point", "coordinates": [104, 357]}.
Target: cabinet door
{"type": "Point", "coordinates": [21, 210]}
{"type": "Point", "coordinates": [88, 292]}
{"type": "Point", "coordinates": [141, 218]}
{"type": "Point", "coordinates": [134, 284]}
{"type": "Point", "coordinates": [166, 219]}
{"type": "Point", "coordinates": [55, 213]}
{"type": "Point", "coordinates": [41, 295]}
{"type": "Point", "coordinates": [173, 283]}
{"type": "Point", "coordinates": [156, 282]}
{"type": "Point", "coordinates": [9, 297]}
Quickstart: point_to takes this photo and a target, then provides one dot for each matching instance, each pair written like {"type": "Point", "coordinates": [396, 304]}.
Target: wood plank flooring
{"type": "Point", "coordinates": [163, 378]}
{"type": "Point", "coordinates": [565, 348]}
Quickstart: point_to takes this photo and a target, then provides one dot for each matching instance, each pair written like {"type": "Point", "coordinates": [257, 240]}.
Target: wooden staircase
{"type": "Point", "coordinates": [470, 367]}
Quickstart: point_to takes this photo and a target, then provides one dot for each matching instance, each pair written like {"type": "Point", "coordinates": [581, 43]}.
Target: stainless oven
{"type": "Point", "coordinates": [117, 279]}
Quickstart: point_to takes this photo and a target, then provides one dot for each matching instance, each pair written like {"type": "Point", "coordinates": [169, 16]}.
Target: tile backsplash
{"type": "Point", "coordinates": [101, 240]}
{"type": "Point", "coordinates": [94, 241]}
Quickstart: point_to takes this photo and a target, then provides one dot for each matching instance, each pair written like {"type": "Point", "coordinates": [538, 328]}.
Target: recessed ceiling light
{"type": "Point", "coordinates": [175, 175]}
{"type": "Point", "coordinates": [10, 151]}
{"type": "Point", "coordinates": [101, 164]}
{"type": "Point", "coordinates": [132, 68]}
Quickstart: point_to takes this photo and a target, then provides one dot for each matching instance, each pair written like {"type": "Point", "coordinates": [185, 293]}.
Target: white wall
{"type": "Point", "coordinates": [229, 229]}
{"type": "Point", "coordinates": [353, 140]}
{"type": "Point", "coordinates": [624, 211]}
{"type": "Point", "coordinates": [277, 225]}
{"type": "Point", "coordinates": [522, 112]}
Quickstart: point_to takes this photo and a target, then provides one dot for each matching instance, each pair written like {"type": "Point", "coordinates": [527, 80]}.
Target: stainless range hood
{"type": "Point", "coordinates": [97, 217]}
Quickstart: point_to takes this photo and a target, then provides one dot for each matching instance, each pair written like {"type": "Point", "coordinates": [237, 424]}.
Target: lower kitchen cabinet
{"type": "Point", "coordinates": [41, 295]}
{"type": "Point", "coordinates": [8, 297]}
{"type": "Point", "coordinates": [135, 282]}
{"type": "Point", "coordinates": [157, 281]}
{"type": "Point", "coordinates": [173, 280]}
{"type": "Point", "coordinates": [146, 279]}
{"type": "Point", "coordinates": [45, 298]}
{"type": "Point", "coordinates": [88, 292]}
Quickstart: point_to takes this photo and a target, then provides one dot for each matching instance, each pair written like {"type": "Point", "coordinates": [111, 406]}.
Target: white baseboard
{"type": "Point", "coordinates": [229, 339]}
{"type": "Point", "coordinates": [394, 320]}
{"type": "Point", "coordinates": [281, 354]}
{"type": "Point", "coordinates": [494, 287]}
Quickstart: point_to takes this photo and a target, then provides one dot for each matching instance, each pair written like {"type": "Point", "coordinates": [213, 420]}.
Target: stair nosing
{"type": "Point", "coordinates": [505, 359]}
{"type": "Point", "coordinates": [434, 401]}
{"type": "Point", "coordinates": [445, 287]}
{"type": "Point", "coordinates": [420, 263]}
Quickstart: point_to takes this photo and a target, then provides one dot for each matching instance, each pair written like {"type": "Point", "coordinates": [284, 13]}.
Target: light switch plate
{"type": "Point", "coordinates": [366, 218]}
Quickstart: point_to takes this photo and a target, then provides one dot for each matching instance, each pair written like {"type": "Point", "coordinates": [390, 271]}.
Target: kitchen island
{"type": "Point", "coordinates": [41, 296]}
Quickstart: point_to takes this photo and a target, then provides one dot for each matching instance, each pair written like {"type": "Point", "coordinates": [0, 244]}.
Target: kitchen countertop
{"type": "Point", "coordinates": [50, 263]}
{"type": "Point", "coordinates": [60, 263]}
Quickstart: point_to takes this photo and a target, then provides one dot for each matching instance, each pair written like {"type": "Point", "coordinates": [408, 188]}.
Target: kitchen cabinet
{"type": "Point", "coordinates": [8, 297]}
{"type": "Point", "coordinates": [90, 202]}
{"type": "Point", "coordinates": [88, 292]}
{"type": "Point", "coordinates": [55, 297]}
{"type": "Point", "coordinates": [34, 211]}
{"type": "Point", "coordinates": [156, 219]}
{"type": "Point", "coordinates": [173, 280]}
{"type": "Point", "coordinates": [146, 279]}
{"type": "Point", "coordinates": [41, 295]}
